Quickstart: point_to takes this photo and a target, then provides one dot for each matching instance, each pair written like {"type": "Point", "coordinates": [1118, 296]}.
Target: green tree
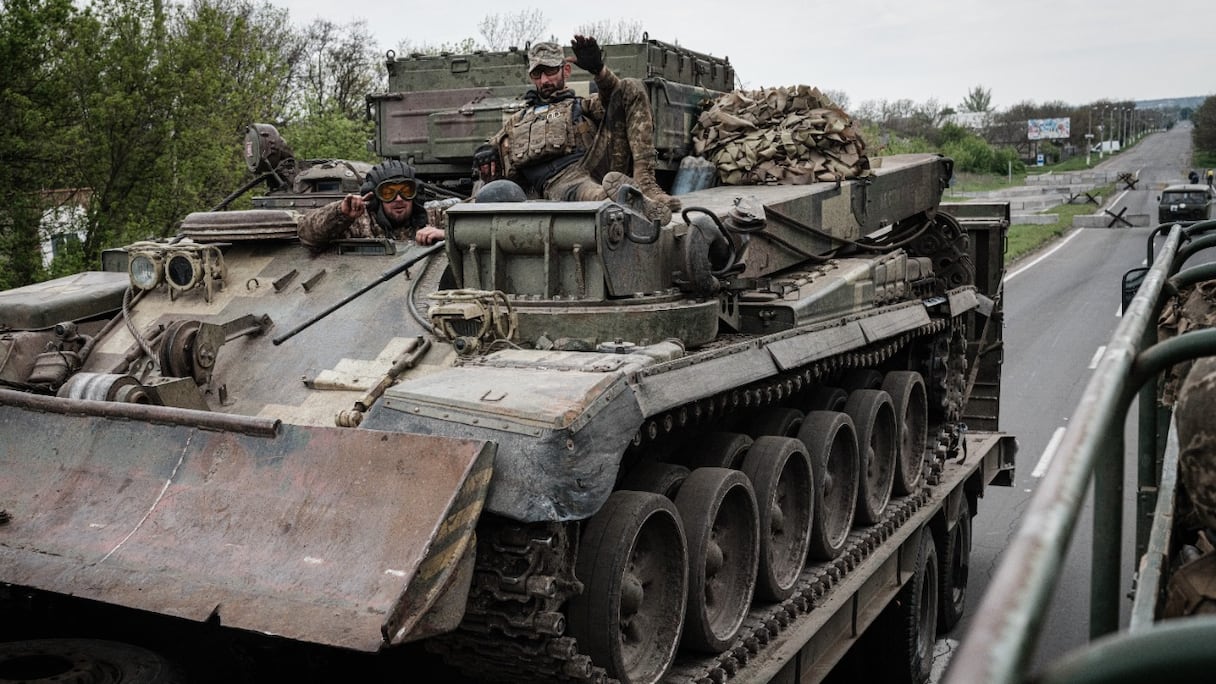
{"type": "Point", "coordinates": [36, 136]}
{"type": "Point", "coordinates": [232, 65]}
{"type": "Point", "coordinates": [1203, 136]}
{"type": "Point", "coordinates": [116, 88]}
{"type": "Point", "coordinates": [330, 135]}
{"type": "Point", "coordinates": [979, 99]}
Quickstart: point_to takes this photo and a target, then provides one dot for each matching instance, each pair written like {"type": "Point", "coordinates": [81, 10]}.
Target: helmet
{"type": "Point", "coordinates": [501, 190]}
{"type": "Point", "coordinates": [389, 169]}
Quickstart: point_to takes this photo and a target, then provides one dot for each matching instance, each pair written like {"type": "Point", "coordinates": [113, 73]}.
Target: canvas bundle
{"type": "Point", "coordinates": [792, 136]}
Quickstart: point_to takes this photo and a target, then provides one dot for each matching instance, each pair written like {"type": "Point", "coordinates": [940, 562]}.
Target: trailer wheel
{"type": "Point", "coordinates": [718, 508]}
{"type": "Point", "coordinates": [956, 564]}
{"type": "Point", "coordinates": [831, 444]}
{"type": "Point", "coordinates": [907, 390]}
{"type": "Point", "coordinates": [780, 472]}
{"type": "Point", "coordinates": [717, 450]}
{"type": "Point", "coordinates": [780, 422]}
{"type": "Point", "coordinates": [83, 661]}
{"type": "Point", "coordinates": [908, 626]}
{"type": "Point", "coordinates": [633, 562]}
{"type": "Point", "coordinates": [877, 446]}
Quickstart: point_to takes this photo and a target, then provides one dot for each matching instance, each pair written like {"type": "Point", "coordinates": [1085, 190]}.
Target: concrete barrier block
{"type": "Point", "coordinates": [1033, 219]}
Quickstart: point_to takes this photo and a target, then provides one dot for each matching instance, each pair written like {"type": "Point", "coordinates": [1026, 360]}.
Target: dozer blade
{"type": "Point", "coordinates": [334, 536]}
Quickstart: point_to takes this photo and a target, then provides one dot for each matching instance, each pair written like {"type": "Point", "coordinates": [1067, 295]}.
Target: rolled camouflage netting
{"type": "Point", "coordinates": [781, 135]}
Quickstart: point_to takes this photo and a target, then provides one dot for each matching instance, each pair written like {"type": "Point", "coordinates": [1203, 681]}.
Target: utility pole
{"type": "Point", "coordinates": [1101, 136]}
{"type": "Point", "coordinates": [1089, 137]}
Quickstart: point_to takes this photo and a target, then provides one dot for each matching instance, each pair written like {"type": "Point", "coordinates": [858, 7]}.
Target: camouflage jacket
{"type": "Point", "coordinates": [592, 113]}
{"type": "Point", "coordinates": [325, 224]}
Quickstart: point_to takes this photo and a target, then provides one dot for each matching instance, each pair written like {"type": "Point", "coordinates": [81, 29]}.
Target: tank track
{"type": "Point", "coordinates": [513, 628]}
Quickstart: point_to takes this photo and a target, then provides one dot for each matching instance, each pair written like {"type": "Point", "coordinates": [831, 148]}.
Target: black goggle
{"type": "Point", "coordinates": [388, 190]}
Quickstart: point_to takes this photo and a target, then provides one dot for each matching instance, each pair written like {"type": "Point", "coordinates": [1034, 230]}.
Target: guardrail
{"type": "Point", "coordinates": [1002, 636]}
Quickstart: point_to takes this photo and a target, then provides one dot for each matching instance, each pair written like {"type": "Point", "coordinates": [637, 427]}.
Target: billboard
{"type": "Point", "coordinates": [1048, 129]}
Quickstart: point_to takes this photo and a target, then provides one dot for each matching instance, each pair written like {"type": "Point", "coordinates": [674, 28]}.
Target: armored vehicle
{"type": "Point", "coordinates": [609, 450]}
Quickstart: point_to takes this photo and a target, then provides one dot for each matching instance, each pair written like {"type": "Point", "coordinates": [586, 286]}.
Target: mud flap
{"type": "Point", "coordinates": [344, 537]}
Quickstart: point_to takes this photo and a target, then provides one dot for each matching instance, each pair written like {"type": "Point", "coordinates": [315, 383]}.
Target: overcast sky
{"type": "Point", "coordinates": [1031, 50]}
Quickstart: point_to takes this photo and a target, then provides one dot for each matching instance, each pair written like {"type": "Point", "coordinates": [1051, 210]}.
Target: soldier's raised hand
{"type": "Point", "coordinates": [353, 206]}
{"type": "Point", "coordinates": [587, 54]}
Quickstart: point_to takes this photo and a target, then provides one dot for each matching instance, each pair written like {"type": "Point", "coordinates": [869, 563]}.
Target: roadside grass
{"type": "Point", "coordinates": [978, 182]}
{"type": "Point", "coordinates": [1204, 160]}
{"type": "Point", "coordinates": [1071, 164]}
{"type": "Point", "coordinates": [1026, 238]}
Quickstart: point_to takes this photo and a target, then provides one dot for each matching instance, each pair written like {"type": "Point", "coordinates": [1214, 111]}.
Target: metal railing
{"type": "Point", "coordinates": [1002, 636]}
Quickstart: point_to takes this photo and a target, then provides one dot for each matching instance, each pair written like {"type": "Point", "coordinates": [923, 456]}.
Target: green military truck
{"type": "Point", "coordinates": [1170, 633]}
{"type": "Point", "coordinates": [723, 448]}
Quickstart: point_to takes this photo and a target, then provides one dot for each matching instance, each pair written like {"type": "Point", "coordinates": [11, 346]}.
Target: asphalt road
{"type": "Point", "coordinates": [1061, 306]}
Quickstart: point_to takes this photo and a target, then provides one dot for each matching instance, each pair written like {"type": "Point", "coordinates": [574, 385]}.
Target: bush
{"type": "Point", "coordinates": [973, 155]}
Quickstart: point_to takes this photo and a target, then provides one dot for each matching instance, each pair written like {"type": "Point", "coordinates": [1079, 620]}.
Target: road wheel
{"type": "Point", "coordinates": [956, 565]}
{"type": "Point", "coordinates": [657, 477]}
{"type": "Point", "coordinates": [780, 471]}
{"type": "Point", "coordinates": [907, 390]}
{"type": "Point", "coordinates": [827, 399]}
{"type": "Point", "coordinates": [877, 444]}
{"type": "Point", "coordinates": [633, 562]}
{"type": "Point", "coordinates": [831, 444]}
{"type": "Point", "coordinates": [780, 422]}
{"type": "Point", "coordinates": [83, 661]}
{"type": "Point", "coordinates": [718, 508]}
{"type": "Point", "coordinates": [717, 450]}
{"type": "Point", "coordinates": [861, 378]}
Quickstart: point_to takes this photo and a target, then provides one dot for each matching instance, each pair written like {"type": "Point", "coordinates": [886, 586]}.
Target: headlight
{"type": "Point", "coordinates": [182, 270]}
{"type": "Point", "coordinates": [144, 270]}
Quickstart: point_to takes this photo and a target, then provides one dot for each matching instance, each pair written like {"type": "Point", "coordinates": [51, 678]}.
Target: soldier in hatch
{"type": "Point", "coordinates": [566, 147]}
{"type": "Point", "coordinates": [384, 207]}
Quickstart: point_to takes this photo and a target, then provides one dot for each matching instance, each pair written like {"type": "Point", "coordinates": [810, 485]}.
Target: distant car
{"type": "Point", "coordinates": [1187, 202]}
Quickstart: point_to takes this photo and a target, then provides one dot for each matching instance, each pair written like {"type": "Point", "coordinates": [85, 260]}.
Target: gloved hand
{"type": "Point", "coordinates": [587, 54]}
{"type": "Point", "coordinates": [485, 161]}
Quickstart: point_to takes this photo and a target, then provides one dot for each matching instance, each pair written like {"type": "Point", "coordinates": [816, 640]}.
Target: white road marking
{"type": "Point", "coordinates": [1061, 243]}
{"type": "Point", "coordinates": [1093, 363]}
{"type": "Point", "coordinates": [1048, 453]}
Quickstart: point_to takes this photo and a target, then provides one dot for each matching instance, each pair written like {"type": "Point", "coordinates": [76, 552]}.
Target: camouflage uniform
{"type": "Point", "coordinates": [619, 138]}
{"type": "Point", "coordinates": [325, 224]}
{"type": "Point", "coordinates": [1191, 589]}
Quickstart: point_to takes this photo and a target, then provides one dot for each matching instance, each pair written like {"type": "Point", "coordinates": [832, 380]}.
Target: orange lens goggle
{"type": "Point", "coordinates": [389, 190]}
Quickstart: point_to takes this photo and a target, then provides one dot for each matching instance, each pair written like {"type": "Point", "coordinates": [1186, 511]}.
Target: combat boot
{"type": "Point", "coordinates": [654, 210]}
{"type": "Point", "coordinates": [644, 180]}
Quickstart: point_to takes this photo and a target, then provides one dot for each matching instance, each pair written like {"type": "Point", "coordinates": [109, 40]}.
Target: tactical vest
{"type": "Point", "coordinates": [547, 133]}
